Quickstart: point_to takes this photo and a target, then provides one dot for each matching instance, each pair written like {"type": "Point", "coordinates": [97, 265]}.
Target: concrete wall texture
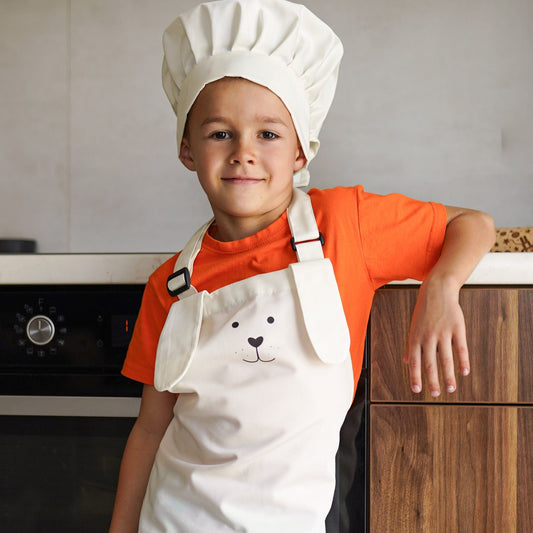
{"type": "Point", "coordinates": [435, 100]}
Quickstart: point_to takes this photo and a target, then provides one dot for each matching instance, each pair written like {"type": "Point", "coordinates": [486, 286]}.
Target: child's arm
{"type": "Point", "coordinates": [437, 326]}
{"type": "Point", "coordinates": [154, 416]}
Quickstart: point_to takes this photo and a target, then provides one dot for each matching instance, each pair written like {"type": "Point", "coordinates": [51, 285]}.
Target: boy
{"type": "Point", "coordinates": [259, 323]}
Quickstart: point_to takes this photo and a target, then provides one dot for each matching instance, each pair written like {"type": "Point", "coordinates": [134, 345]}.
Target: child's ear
{"type": "Point", "coordinates": [300, 160]}
{"type": "Point", "coordinates": [185, 154]}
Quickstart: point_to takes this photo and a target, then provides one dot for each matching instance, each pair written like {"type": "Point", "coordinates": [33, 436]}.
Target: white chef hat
{"type": "Point", "coordinates": [274, 43]}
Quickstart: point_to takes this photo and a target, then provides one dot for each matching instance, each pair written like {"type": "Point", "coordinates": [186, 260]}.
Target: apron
{"type": "Point", "coordinates": [263, 371]}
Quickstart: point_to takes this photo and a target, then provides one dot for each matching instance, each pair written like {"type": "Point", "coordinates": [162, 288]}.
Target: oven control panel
{"type": "Point", "coordinates": [38, 328]}
{"type": "Point", "coordinates": [54, 333]}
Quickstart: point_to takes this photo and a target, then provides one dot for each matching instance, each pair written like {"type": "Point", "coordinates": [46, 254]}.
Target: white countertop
{"type": "Point", "coordinates": [62, 269]}
{"type": "Point", "coordinates": [59, 269]}
{"type": "Point", "coordinates": [498, 269]}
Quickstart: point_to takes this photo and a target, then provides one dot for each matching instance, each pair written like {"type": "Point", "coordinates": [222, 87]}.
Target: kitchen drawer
{"type": "Point", "coordinates": [500, 339]}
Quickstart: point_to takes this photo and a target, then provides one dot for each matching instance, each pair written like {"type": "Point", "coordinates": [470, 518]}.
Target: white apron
{"type": "Point", "coordinates": [264, 377]}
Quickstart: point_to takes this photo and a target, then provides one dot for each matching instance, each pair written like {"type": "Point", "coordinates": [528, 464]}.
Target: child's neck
{"type": "Point", "coordinates": [231, 227]}
{"type": "Point", "coordinates": [240, 228]}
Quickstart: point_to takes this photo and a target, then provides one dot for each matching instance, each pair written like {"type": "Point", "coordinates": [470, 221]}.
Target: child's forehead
{"type": "Point", "coordinates": [231, 86]}
{"type": "Point", "coordinates": [227, 95]}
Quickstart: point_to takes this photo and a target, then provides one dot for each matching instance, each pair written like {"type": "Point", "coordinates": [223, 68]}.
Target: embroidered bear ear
{"type": "Point", "coordinates": [322, 309]}
{"type": "Point", "coordinates": [178, 342]}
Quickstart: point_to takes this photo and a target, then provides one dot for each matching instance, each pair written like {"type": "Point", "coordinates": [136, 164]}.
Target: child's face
{"type": "Point", "coordinates": [241, 142]}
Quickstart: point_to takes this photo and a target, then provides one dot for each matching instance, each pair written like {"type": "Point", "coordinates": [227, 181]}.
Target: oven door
{"type": "Point", "coordinates": [59, 461]}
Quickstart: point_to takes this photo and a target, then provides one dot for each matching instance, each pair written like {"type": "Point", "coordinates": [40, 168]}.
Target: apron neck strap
{"type": "Point", "coordinates": [306, 241]}
{"type": "Point", "coordinates": [179, 283]}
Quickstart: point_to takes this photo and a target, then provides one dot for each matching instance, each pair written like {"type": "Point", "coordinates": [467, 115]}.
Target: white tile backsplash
{"type": "Point", "coordinates": [34, 180]}
{"type": "Point", "coordinates": [125, 172]}
{"type": "Point", "coordinates": [435, 100]}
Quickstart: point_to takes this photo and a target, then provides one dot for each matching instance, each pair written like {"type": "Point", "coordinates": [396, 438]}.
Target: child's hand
{"type": "Point", "coordinates": [438, 326]}
{"type": "Point", "coordinates": [437, 332]}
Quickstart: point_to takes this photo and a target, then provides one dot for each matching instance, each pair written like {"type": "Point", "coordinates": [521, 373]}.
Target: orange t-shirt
{"type": "Point", "coordinates": [370, 240]}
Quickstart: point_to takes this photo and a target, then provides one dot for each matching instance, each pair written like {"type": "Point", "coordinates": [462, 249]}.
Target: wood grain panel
{"type": "Point", "coordinates": [389, 329]}
{"type": "Point", "coordinates": [443, 468]}
{"type": "Point", "coordinates": [525, 347]}
{"type": "Point", "coordinates": [525, 470]}
{"type": "Point", "coordinates": [491, 317]}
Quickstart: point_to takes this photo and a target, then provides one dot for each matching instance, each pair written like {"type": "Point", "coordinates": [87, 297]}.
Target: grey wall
{"type": "Point", "coordinates": [435, 100]}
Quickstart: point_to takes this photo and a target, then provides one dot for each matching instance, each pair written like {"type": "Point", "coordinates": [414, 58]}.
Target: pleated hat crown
{"type": "Point", "coordinates": [278, 44]}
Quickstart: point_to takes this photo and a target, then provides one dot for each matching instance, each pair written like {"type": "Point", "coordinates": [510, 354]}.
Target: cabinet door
{"type": "Point", "coordinates": [450, 468]}
{"type": "Point", "coordinates": [525, 348]}
{"type": "Point", "coordinates": [500, 339]}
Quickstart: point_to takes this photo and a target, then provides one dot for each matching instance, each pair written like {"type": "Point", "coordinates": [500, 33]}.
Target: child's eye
{"type": "Point", "coordinates": [268, 135]}
{"type": "Point", "coordinates": [220, 135]}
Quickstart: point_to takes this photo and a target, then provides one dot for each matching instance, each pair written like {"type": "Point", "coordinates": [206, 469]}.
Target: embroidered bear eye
{"type": "Point", "coordinates": [270, 319]}
{"type": "Point", "coordinates": [235, 325]}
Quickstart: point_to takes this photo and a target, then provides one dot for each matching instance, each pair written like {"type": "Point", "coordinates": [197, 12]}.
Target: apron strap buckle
{"type": "Point", "coordinates": [294, 244]}
{"type": "Point", "coordinates": [309, 249]}
{"type": "Point", "coordinates": [179, 282]}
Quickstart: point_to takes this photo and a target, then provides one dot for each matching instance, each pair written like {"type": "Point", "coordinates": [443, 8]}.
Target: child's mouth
{"type": "Point", "coordinates": [242, 180]}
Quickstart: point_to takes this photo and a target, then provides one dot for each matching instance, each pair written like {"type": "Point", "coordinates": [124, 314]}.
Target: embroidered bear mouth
{"type": "Point", "coordinates": [255, 343]}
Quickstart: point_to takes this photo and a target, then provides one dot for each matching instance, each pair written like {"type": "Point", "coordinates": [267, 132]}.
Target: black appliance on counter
{"type": "Point", "coordinates": [65, 410]}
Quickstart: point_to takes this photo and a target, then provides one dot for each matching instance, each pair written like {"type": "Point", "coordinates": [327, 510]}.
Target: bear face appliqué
{"type": "Point", "coordinates": [257, 344]}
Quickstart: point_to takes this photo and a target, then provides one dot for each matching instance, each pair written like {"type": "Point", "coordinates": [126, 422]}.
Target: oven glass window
{"type": "Point", "coordinates": [59, 474]}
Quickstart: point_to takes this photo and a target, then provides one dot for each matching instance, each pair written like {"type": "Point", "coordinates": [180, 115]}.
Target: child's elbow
{"type": "Point", "coordinates": [477, 224]}
{"type": "Point", "coordinates": [489, 226]}
{"type": "Point", "coordinates": [486, 228]}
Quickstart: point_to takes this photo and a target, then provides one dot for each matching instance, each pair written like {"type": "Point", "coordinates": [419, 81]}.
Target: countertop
{"type": "Point", "coordinates": [83, 269]}
{"type": "Point", "coordinates": [501, 268]}
{"type": "Point", "coordinates": [50, 269]}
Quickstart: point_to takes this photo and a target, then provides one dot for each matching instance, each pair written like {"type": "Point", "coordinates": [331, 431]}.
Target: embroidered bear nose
{"type": "Point", "coordinates": [255, 342]}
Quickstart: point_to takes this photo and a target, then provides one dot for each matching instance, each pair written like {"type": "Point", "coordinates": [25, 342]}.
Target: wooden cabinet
{"type": "Point", "coordinates": [462, 462]}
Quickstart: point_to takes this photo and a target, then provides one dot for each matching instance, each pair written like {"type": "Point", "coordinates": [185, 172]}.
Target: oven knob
{"type": "Point", "coordinates": [40, 330]}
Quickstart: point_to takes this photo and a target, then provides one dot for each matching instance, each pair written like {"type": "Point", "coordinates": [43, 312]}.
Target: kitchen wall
{"type": "Point", "coordinates": [435, 100]}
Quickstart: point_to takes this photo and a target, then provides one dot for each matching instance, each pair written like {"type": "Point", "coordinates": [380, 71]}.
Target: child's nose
{"type": "Point", "coordinates": [243, 152]}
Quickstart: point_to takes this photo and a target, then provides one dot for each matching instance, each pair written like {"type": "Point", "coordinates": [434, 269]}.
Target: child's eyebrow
{"type": "Point", "coordinates": [212, 120]}
{"type": "Point", "coordinates": [271, 120]}
{"type": "Point", "coordinates": [263, 119]}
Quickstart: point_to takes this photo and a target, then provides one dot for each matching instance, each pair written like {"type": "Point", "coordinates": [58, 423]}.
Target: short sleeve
{"type": "Point", "coordinates": [140, 358]}
{"type": "Point", "coordinates": [401, 237]}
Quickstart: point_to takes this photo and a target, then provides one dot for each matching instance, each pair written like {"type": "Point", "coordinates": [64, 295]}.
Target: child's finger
{"type": "Point", "coordinates": [460, 348]}
{"type": "Point", "coordinates": [431, 370]}
{"type": "Point", "coordinates": [447, 366]}
{"type": "Point", "coordinates": [413, 359]}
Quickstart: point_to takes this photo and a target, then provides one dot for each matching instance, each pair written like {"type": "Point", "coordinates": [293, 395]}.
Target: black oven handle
{"type": "Point", "coordinates": [69, 406]}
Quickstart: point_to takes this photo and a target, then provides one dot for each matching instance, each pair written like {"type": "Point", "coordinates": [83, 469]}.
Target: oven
{"type": "Point", "coordinates": [65, 410]}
